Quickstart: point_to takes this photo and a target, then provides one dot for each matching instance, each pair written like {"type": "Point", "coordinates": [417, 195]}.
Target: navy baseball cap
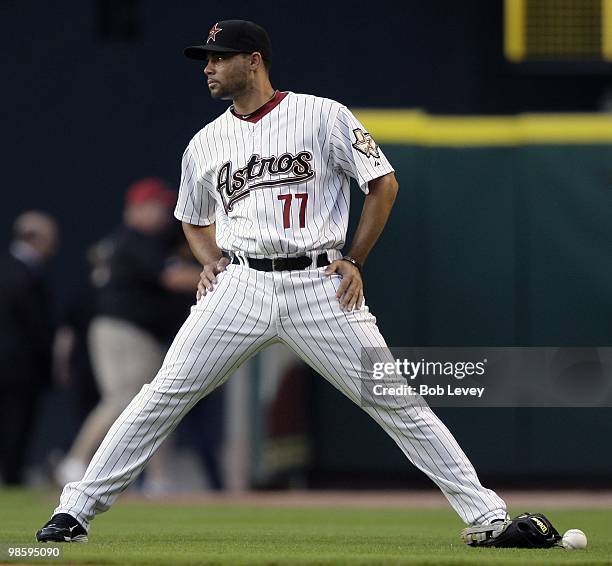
{"type": "Point", "coordinates": [233, 36]}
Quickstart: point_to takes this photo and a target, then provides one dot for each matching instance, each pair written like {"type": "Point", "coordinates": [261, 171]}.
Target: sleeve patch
{"type": "Point", "coordinates": [365, 144]}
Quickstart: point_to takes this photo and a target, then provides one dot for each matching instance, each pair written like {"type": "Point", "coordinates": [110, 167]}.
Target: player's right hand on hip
{"type": "Point", "coordinates": [208, 276]}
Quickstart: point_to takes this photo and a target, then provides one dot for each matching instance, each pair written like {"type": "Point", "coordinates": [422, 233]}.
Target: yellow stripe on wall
{"type": "Point", "coordinates": [514, 29]}
{"type": "Point", "coordinates": [415, 127]}
{"type": "Point", "coordinates": [606, 29]}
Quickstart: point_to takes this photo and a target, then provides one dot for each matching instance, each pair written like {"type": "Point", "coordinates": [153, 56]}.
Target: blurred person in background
{"type": "Point", "coordinates": [128, 332]}
{"type": "Point", "coordinates": [72, 368]}
{"type": "Point", "coordinates": [26, 336]}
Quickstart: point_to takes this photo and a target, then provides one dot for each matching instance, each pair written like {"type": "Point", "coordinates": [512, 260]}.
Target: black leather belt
{"type": "Point", "coordinates": [283, 263]}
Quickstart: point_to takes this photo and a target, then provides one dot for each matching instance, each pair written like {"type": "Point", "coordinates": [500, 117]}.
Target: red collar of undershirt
{"type": "Point", "coordinates": [262, 110]}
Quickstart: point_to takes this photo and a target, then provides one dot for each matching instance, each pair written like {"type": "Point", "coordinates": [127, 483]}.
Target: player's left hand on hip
{"type": "Point", "coordinates": [350, 292]}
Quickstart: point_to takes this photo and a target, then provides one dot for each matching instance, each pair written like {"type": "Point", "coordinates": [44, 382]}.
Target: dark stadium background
{"type": "Point", "coordinates": [97, 94]}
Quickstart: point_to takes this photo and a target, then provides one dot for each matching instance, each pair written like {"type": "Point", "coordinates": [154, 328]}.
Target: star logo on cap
{"type": "Point", "coordinates": [365, 144]}
{"type": "Point", "coordinates": [212, 34]}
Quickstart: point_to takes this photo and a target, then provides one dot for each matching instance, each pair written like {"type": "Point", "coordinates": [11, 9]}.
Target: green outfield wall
{"type": "Point", "coordinates": [501, 236]}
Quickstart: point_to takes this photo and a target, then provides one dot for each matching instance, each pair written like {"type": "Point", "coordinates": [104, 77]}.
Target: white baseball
{"type": "Point", "coordinates": [574, 539]}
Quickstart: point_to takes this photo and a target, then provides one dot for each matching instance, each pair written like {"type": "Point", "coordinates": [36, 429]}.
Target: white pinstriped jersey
{"type": "Point", "coordinates": [275, 186]}
{"type": "Point", "coordinates": [278, 187]}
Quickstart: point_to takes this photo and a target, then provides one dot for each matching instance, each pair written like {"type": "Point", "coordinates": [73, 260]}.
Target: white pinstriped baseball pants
{"type": "Point", "coordinates": [247, 311]}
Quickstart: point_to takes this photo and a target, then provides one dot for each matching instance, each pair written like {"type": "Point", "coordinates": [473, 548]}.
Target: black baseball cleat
{"type": "Point", "coordinates": [62, 528]}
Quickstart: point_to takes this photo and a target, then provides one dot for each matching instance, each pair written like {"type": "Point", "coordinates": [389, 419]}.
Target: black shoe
{"type": "Point", "coordinates": [62, 528]}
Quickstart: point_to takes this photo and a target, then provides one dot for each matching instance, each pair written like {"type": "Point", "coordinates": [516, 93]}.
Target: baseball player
{"type": "Point", "coordinates": [264, 203]}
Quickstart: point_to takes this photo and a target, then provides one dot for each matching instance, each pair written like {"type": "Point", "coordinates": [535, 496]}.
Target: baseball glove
{"type": "Point", "coordinates": [529, 530]}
